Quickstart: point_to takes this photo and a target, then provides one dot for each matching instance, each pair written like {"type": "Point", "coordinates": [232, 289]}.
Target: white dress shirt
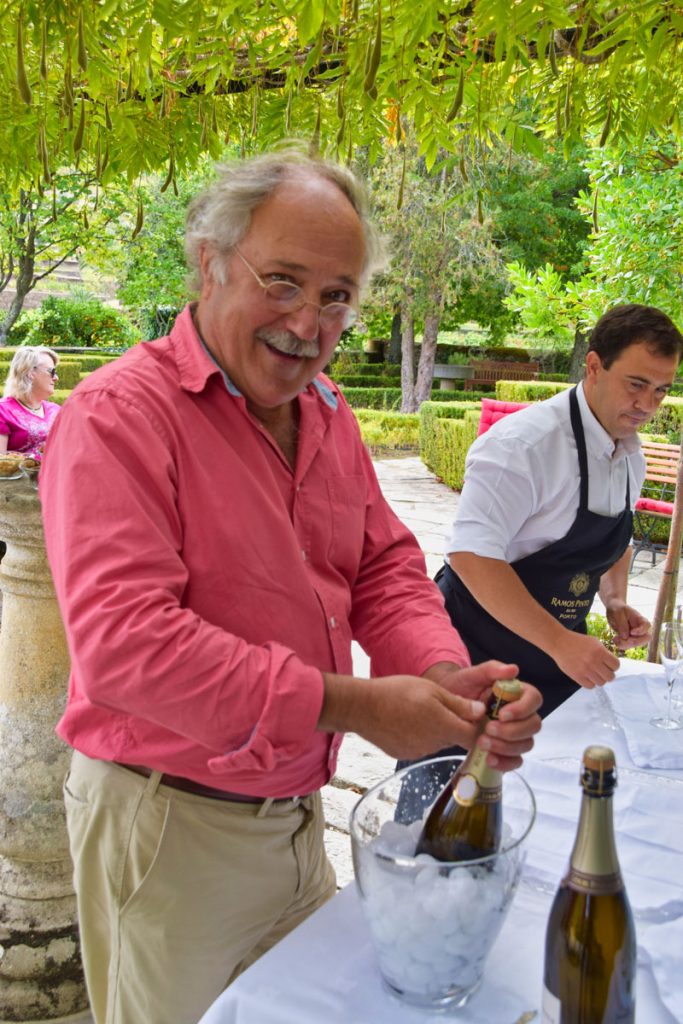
{"type": "Point", "coordinates": [521, 489]}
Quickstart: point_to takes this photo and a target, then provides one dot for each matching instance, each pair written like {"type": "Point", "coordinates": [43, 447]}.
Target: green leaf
{"type": "Point", "coordinates": [309, 20]}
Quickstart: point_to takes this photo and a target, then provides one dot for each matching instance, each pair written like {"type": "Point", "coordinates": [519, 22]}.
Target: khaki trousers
{"type": "Point", "coordinates": [178, 893]}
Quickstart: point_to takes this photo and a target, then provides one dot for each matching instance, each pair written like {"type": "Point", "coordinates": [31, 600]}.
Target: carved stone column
{"type": "Point", "coordinates": [41, 978]}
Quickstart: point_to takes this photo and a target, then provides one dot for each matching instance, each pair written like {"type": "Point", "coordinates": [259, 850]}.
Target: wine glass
{"type": "Point", "coordinates": [677, 696]}
{"type": "Point", "coordinates": [670, 657]}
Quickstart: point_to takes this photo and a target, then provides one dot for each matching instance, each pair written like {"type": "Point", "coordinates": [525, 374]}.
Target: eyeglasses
{"type": "Point", "coordinates": [52, 370]}
{"type": "Point", "coordinates": [285, 297]}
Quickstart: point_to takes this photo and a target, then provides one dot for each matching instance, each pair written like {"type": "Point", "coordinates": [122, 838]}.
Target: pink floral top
{"type": "Point", "coordinates": [26, 431]}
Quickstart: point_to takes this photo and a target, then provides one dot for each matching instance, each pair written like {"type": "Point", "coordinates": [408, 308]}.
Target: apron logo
{"type": "Point", "coordinates": [580, 584]}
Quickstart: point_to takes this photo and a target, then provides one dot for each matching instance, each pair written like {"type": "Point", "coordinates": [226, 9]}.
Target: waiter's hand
{"type": "Point", "coordinates": [584, 659]}
{"type": "Point", "coordinates": [631, 629]}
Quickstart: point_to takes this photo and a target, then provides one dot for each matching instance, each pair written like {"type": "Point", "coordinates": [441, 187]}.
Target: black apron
{"type": "Point", "coordinates": [563, 577]}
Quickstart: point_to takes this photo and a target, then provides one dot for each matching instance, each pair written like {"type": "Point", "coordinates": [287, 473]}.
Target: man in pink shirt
{"type": "Point", "coordinates": [217, 538]}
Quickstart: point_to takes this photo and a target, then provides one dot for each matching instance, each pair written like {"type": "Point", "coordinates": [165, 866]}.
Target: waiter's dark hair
{"type": "Point", "coordinates": [632, 324]}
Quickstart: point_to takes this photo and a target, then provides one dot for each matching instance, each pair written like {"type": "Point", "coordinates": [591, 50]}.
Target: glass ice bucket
{"type": "Point", "coordinates": [433, 923]}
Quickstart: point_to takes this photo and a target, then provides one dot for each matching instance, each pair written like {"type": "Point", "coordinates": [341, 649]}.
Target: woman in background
{"type": "Point", "coordinates": [26, 414]}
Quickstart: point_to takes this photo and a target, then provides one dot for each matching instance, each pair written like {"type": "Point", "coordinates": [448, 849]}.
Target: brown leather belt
{"type": "Point", "coordinates": [190, 786]}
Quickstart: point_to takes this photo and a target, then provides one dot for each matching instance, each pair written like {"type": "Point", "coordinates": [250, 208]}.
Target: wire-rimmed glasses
{"type": "Point", "coordinates": [287, 297]}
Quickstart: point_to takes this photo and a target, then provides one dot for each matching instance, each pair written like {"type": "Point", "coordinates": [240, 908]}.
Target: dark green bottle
{"type": "Point", "coordinates": [466, 819]}
{"type": "Point", "coordinates": [590, 943]}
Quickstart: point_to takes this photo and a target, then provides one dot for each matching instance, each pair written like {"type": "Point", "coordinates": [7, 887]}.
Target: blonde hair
{"type": "Point", "coordinates": [18, 384]}
{"type": "Point", "coordinates": [220, 216]}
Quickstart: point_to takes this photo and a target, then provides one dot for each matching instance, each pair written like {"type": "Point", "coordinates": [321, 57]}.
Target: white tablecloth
{"type": "Point", "coordinates": [325, 972]}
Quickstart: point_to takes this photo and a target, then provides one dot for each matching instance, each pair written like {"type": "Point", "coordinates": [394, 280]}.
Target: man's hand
{"type": "Point", "coordinates": [405, 716]}
{"type": "Point", "coordinates": [512, 735]}
{"type": "Point", "coordinates": [585, 659]}
{"type": "Point", "coordinates": [631, 629]}
{"type": "Point", "coordinates": [410, 717]}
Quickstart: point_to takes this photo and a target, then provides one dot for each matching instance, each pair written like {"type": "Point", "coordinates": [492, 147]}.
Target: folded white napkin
{"type": "Point", "coordinates": [636, 699]}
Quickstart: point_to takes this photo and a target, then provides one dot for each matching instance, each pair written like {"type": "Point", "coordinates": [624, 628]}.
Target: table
{"type": "Point", "coordinates": [325, 971]}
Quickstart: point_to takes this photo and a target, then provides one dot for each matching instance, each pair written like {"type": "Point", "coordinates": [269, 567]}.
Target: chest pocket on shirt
{"type": "Point", "coordinates": [347, 511]}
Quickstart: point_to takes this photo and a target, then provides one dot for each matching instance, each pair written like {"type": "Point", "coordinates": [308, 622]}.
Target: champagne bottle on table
{"type": "Point", "coordinates": [590, 943]}
{"type": "Point", "coordinates": [466, 819]}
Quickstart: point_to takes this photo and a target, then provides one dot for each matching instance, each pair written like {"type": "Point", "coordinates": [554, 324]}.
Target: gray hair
{"type": "Point", "coordinates": [220, 216]}
{"type": "Point", "coordinates": [18, 384]}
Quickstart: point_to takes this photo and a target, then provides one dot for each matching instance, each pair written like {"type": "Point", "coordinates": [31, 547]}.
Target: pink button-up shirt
{"type": "Point", "coordinates": [205, 586]}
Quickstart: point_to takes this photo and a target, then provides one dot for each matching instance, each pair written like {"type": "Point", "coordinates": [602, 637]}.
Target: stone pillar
{"type": "Point", "coordinates": [41, 977]}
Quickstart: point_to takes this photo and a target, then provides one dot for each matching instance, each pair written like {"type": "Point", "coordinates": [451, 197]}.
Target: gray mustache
{"type": "Point", "coordinates": [285, 341]}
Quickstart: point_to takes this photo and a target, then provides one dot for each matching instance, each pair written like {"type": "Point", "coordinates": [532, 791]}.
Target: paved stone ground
{"type": "Point", "coordinates": [427, 507]}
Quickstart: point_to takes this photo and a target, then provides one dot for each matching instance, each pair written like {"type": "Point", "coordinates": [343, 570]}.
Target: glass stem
{"type": "Point", "coordinates": [668, 703]}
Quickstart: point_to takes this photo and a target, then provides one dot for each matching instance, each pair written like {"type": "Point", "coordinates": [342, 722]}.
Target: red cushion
{"type": "Point", "coordinates": [652, 505]}
{"type": "Point", "coordinates": [493, 410]}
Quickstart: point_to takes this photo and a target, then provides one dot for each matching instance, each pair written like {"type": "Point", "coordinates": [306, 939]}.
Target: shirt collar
{"type": "Point", "coordinates": [196, 363]}
{"type": "Point", "coordinates": [598, 441]}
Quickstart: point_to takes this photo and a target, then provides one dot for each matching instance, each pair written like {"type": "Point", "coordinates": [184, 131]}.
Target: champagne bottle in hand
{"type": "Point", "coordinates": [466, 819]}
{"type": "Point", "coordinates": [590, 944]}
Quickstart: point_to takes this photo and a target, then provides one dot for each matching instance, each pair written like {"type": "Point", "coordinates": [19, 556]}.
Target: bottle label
{"type": "Point", "coordinates": [467, 791]}
{"type": "Point", "coordinates": [595, 885]}
{"type": "Point", "coordinates": [551, 1010]}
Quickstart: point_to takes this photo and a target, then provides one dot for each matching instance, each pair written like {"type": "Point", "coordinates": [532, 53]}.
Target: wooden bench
{"type": "Point", "coordinates": [662, 470]}
{"type": "Point", "coordinates": [488, 371]}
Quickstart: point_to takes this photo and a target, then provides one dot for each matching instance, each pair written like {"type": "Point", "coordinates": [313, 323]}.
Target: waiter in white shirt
{"type": "Point", "coordinates": [545, 518]}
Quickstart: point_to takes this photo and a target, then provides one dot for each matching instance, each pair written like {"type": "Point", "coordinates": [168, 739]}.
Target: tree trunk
{"type": "Point", "coordinates": [13, 312]}
{"type": "Point", "coordinates": [407, 360]}
{"type": "Point", "coordinates": [23, 283]}
{"type": "Point", "coordinates": [425, 370]}
{"type": "Point", "coordinates": [578, 359]}
{"type": "Point", "coordinates": [666, 597]}
{"type": "Point", "coordinates": [394, 354]}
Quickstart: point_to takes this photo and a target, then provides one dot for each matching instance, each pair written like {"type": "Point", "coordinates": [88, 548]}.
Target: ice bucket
{"type": "Point", "coordinates": [433, 923]}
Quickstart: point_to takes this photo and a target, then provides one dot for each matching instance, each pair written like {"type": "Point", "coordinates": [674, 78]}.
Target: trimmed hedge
{"type": "Point", "coordinates": [384, 430]}
{"type": "Point", "coordinates": [668, 419]}
{"type": "Point", "coordinates": [527, 390]}
{"type": "Point", "coordinates": [446, 433]}
{"type": "Point", "coordinates": [373, 398]}
{"type": "Point", "coordinates": [339, 368]}
{"type": "Point", "coordinates": [392, 370]}
{"type": "Point", "coordinates": [69, 373]}
{"type": "Point", "coordinates": [390, 398]}
{"type": "Point", "coordinates": [87, 363]}
{"type": "Point", "coordinates": [353, 380]}
{"type": "Point", "coordinates": [59, 395]}
{"type": "Point", "coordinates": [439, 395]}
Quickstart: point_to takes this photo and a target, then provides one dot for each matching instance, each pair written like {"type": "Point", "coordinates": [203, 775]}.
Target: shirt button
{"type": "Point", "coordinates": [304, 555]}
{"type": "Point", "coordinates": [333, 622]}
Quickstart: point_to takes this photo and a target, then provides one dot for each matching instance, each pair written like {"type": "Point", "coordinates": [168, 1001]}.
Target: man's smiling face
{"type": "Point", "coordinates": [307, 233]}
